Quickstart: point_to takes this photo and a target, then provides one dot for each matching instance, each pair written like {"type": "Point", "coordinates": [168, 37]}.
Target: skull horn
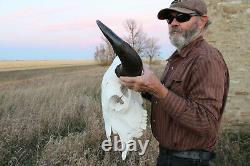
{"type": "Point", "coordinates": [131, 63]}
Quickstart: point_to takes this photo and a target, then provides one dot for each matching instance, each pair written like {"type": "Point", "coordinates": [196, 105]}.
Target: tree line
{"type": "Point", "coordinates": [145, 46]}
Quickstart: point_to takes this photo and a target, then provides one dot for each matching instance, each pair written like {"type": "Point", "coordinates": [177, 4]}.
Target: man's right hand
{"type": "Point", "coordinates": [147, 82]}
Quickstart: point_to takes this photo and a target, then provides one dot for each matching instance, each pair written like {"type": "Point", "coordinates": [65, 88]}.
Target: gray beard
{"type": "Point", "coordinates": [180, 38]}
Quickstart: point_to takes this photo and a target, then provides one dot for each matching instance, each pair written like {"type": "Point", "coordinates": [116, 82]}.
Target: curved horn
{"type": "Point", "coordinates": [131, 63]}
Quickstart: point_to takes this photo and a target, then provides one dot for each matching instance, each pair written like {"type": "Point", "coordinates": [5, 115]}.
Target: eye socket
{"type": "Point", "coordinates": [116, 99]}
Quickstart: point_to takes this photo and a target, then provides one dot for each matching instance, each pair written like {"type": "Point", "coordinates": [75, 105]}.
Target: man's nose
{"type": "Point", "coordinates": [174, 22]}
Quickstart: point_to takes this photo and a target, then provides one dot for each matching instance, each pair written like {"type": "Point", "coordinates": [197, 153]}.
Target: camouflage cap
{"type": "Point", "coordinates": [184, 6]}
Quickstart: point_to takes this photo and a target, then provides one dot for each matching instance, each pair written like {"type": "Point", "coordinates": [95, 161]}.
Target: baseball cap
{"type": "Point", "coordinates": [184, 6]}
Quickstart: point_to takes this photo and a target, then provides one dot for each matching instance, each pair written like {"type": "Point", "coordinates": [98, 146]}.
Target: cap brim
{"type": "Point", "coordinates": [164, 12]}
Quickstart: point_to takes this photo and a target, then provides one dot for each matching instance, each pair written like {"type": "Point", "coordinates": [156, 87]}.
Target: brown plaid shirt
{"type": "Point", "coordinates": [189, 116]}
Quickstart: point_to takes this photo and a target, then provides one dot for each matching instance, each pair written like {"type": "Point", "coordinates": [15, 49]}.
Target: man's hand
{"type": "Point", "coordinates": [148, 82]}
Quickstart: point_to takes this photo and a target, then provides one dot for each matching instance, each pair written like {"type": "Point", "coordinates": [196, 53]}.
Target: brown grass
{"type": "Point", "coordinates": [53, 116]}
{"type": "Point", "coordinates": [38, 64]}
{"type": "Point", "coordinates": [57, 120]}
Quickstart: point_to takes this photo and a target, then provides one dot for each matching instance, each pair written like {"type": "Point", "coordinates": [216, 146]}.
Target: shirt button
{"type": "Point", "coordinates": [156, 102]}
{"type": "Point", "coordinates": [153, 120]}
{"type": "Point", "coordinates": [172, 68]}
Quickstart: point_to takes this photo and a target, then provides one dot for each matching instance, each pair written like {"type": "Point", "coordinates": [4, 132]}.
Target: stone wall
{"type": "Point", "coordinates": [230, 33]}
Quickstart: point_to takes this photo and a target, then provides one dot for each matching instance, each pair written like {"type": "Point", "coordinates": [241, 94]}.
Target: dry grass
{"type": "Point", "coordinates": [41, 110]}
{"type": "Point", "coordinates": [53, 116]}
{"type": "Point", "coordinates": [24, 65]}
{"type": "Point", "coordinates": [57, 120]}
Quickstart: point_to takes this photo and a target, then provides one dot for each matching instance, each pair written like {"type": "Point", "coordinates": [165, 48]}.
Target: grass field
{"type": "Point", "coordinates": [38, 64]}
{"type": "Point", "coordinates": [50, 112]}
{"type": "Point", "coordinates": [52, 116]}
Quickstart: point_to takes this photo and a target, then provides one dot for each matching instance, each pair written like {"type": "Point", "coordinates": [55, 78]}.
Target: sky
{"type": "Point", "coordinates": [67, 30]}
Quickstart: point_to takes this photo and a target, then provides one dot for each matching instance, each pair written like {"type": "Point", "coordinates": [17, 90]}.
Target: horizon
{"type": "Point", "coordinates": [63, 30]}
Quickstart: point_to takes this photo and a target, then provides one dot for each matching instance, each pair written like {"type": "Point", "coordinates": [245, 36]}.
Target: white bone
{"type": "Point", "coordinates": [122, 111]}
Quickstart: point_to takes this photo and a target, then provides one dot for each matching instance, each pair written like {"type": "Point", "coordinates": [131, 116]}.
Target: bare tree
{"type": "Point", "coordinates": [104, 53]}
{"type": "Point", "coordinates": [152, 49]}
{"type": "Point", "coordinates": [136, 37]}
{"type": "Point", "coordinates": [99, 54]}
{"type": "Point", "coordinates": [144, 46]}
{"type": "Point", "coordinates": [109, 52]}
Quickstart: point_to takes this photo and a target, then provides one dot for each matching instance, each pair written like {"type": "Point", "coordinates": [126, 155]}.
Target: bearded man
{"type": "Point", "coordinates": [188, 101]}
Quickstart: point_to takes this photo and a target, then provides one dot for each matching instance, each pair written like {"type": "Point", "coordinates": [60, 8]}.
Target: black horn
{"type": "Point", "coordinates": [131, 63]}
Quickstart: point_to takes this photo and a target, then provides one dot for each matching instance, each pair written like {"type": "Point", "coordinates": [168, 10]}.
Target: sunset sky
{"type": "Point", "coordinates": [63, 29]}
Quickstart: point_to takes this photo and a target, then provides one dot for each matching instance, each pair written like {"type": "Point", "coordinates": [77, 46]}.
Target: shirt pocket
{"type": "Point", "coordinates": [176, 85]}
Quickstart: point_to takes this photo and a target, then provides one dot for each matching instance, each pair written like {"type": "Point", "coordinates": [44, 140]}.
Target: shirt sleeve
{"type": "Point", "coordinates": [200, 110]}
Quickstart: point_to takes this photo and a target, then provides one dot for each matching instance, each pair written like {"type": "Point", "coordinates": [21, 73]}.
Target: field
{"type": "Point", "coordinates": [52, 116]}
{"type": "Point", "coordinates": [24, 65]}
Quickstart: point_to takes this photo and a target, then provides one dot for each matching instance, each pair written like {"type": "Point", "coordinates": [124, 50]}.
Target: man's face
{"type": "Point", "coordinates": [182, 33]}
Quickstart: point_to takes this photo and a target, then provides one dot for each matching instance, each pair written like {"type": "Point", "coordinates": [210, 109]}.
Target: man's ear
{"type": "Point", "coordinates": [203, 21]}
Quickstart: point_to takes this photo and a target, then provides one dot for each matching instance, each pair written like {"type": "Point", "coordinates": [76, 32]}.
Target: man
{"type": "Point", "coordinates": [188, 101]}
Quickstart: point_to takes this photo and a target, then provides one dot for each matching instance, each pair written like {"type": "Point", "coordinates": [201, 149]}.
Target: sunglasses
{"type": "Point", "coordinates": [180, 17]}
